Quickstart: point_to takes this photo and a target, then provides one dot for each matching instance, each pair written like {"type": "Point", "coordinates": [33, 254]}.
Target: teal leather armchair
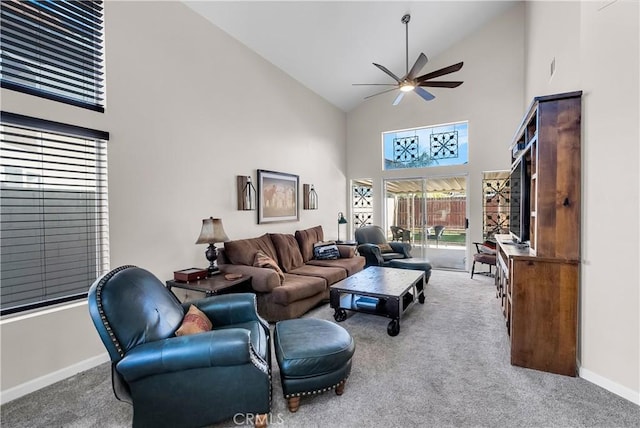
{"type": "Point", "coordinates": [369, 239]}
{"type": "Point", "coordinates": [186, 381]}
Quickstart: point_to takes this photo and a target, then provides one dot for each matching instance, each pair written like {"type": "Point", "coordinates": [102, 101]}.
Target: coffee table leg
{"type": "Point", "coordinates": [394, 309]}
{"type": "Point", "coordinates": [420, 286]}
{"type": "Point", "coordinates": [393, 328]}
{"type": "Point", "coordinates": [340, 315]}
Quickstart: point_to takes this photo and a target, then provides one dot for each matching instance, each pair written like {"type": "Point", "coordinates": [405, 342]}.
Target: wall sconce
{"type": "Point", "coordinates": [341, 220]}
{"type": "Point", "coordinates": [246, 194]}
{"type": "Point", "coordinates": [309, 197]}
{"type": "Point", "coordinates": [212, 232]}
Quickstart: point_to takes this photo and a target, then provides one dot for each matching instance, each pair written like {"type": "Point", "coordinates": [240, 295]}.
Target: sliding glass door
{"type": "Point", "coordinates": [431, 214]}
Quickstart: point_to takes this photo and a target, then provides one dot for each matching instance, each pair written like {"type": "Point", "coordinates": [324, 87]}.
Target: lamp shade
{"type": "Point", "coordinates": [212, 231]}
{"type": "Point", "coordinates": [341, 219]}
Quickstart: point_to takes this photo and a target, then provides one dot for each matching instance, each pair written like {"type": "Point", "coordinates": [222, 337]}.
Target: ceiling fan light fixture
{"type": "Point", "coordinates": [407, 87]}
{"type": "Point", "coordinates": [411, 82]}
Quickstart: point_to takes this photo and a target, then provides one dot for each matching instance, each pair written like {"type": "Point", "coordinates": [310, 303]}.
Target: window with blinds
{"type": "Point", "coordinates": [53, 211]}
{"type": "Point", "coordinates": [54, 49]}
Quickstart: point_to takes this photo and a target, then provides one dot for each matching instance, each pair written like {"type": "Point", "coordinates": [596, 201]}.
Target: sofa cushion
{"type": "Point", "coordinates": [330, 274]}
{"type": "Point", "coordinates": [264, 261]}
{"type": "Point", "coordinates": [243, 251]}
{"type": "Point", "coordinates": [297, 287]}
{"type": "Point", "coordinates": [351, 265]}
{"type": "Point", "coordinates": [306, 238]}
{"type": "Point", "coordinates": [288, 251]}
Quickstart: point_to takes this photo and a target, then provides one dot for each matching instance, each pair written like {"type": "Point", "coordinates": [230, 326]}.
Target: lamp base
{"type": "Point", "coordinates": [212, 254]}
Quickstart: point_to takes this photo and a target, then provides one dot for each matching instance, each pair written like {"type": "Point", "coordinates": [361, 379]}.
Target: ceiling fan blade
{"type": "Point", "coordinates": [424, 94]}
{"type": "Point", "coordinates": [441, 72]}
{"type": "Point", "coordinates": [436, 84]}
{"type": "Point", "coordinates": [383, 68]}
{"type": "Point", "coordinates": [419, 65]}
{"type": "Point", "coordinates": [398, 98]}
{"type": "Point", "coordinates": [379, 93]}
{"type": "Point", "coordinates": [374, 84]}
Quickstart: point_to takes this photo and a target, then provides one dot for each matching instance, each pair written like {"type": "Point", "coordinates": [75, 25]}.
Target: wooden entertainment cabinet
{"type": "Point", "coordinates": [538, 284]}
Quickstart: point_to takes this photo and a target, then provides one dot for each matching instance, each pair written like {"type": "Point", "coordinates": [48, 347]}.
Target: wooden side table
{"type": "Point", "coordinates": [350, 242]}
{"type": "Point", "coordinates": [216, 284]}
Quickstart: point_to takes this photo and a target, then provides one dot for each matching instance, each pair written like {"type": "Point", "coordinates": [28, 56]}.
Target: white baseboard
{"type": "Point", "coordinates": [51, 378]}
{"type": "Point", "coordinates": [609, 385]}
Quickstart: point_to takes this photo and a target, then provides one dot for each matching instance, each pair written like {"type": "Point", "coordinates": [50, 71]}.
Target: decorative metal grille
{"type": "Point", "coordinates": [405, 149]}
{"type": "Point", "coordinates": [362, 197]}
{"type": "Point", "coordinates": [362, 206]}
{"type": "Point", "coordinates": [444, 145]}
{"type": "Point", "coordinates": [362, 219]}
{"type": "Point", "coordinates": [496, 202]}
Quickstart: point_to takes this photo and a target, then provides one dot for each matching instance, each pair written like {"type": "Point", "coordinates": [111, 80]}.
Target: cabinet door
{"type": "Point", "coordinates": [544, 315]}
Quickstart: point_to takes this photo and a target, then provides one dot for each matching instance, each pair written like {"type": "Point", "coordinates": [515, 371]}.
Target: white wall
{"type": "Point", "coordinates": [491, 99]}
{"type": "Point", "coordinates": [596, 46]}
{"type": "Point", "coordinates": [188, 109]}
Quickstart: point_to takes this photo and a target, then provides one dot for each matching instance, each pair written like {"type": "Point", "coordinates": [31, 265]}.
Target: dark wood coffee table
{"type": "Point", "coordinates": [383, 291]}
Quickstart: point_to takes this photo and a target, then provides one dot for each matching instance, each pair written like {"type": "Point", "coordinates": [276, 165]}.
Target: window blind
{"type": "Point", "coordinates": [53, 212]}
{"type": "Point", "coordinates": [53, 49]}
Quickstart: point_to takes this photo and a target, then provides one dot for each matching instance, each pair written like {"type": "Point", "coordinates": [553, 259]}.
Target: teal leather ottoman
{"type": "Point", "coordinates": [313, 355]}
{"type": "Point", "coordinates": [413, 263]}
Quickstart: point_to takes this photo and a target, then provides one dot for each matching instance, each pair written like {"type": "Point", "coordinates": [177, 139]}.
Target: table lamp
{"type": "Point", "coordinates": [212, 232]}
{"type": "Point", "coordinates": [341, 220]}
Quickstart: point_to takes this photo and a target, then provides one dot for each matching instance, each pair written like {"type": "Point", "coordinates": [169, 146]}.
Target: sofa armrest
{"type": "Point", "coordinates": [227, 347]}
{"type": "Point", "coordinates": [346, 251]}
{"type": "Point", "coordinates": [262, 279]}
{"type": "Point", "coordinates": [372, 254]}
{"type": "Point", "coordinates": [402, 248]}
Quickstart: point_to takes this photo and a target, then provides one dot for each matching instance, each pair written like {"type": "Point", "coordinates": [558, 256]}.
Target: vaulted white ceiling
{"type": "Point", "coordinates": [329, 45]}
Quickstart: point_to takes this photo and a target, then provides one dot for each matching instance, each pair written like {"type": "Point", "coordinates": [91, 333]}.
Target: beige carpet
{"type": "Point", "coordinates": [448, 367]}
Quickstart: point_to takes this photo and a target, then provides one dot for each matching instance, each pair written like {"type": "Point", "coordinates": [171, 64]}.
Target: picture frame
{"type": "Point", "coordinates": [277, 197]}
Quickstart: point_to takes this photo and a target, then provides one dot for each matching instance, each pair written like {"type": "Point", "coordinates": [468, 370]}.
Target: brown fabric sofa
{"type": "Point", "coordinates": [306, 280]}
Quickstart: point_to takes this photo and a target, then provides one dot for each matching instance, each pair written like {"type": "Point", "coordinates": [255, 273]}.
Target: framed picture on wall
{"type": "Point", "coordinates": [277, 196]}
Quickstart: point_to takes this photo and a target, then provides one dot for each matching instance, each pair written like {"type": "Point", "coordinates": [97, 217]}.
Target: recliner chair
{"type": "Point", "coordinates": [370, 237]}
{"type": "Point", "coordinates": [186, 381]}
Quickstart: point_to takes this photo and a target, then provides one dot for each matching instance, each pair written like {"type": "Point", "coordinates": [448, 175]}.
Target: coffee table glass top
{"type": "Point", "coordinates": [382, 281]}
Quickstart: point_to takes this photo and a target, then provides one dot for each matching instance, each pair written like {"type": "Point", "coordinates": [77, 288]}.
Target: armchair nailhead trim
{"type": "Point", "coordinates": [103, 317]}
{"type": "Point", "coordinates": [317, 391]}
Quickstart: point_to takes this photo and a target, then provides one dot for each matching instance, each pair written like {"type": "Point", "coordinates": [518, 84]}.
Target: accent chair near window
{"type": "Point", "coordinates": [373, 245]}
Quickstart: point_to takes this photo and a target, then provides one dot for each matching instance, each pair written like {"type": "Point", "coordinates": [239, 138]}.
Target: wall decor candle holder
{"type": "Point", "coordinates": [309, 198]}
{"type": "Point", "coordinates": [246, 194]}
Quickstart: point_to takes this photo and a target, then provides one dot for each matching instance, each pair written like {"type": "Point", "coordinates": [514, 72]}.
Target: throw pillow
{"type": "Point", "coordinates": [487, 250]}
{"type": "Point", "coordinates": [264, 261]}
{"type": "Point", "coordinates": [487, 247]}
{"type": "Point", "coordinates": [194, 321]}
{"type": "Point", "coordinates": [325, 251]}
{"type": "Point", "coordinates": [385, 248]}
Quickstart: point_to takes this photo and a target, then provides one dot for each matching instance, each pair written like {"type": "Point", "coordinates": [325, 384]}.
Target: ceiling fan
{"type": "Point", "coordinates": [410, 82]}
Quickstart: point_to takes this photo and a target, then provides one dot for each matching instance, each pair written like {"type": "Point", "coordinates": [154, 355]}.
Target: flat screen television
{"type": "Point", "coordinates": [520, 210]}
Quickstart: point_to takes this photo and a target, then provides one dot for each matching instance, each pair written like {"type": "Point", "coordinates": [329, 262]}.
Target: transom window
{"type": "Point", "coordinates": [426, 147]}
